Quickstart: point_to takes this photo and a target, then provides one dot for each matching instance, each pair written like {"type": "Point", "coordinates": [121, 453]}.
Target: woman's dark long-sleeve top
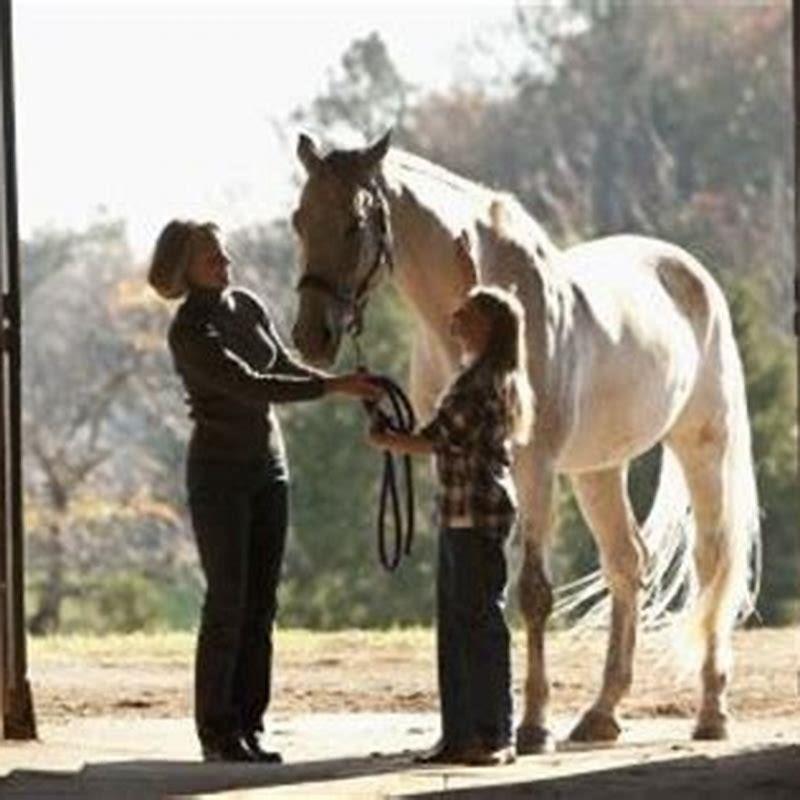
{"type": "Point", "coordinates": [233, 367]}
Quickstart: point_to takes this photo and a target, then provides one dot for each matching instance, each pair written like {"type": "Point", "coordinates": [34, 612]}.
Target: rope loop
{"type": "Point", "coordinates": [394, 413]}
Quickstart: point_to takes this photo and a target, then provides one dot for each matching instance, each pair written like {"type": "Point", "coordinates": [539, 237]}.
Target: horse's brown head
{"type": "Point", "coordinates": [343, 230]}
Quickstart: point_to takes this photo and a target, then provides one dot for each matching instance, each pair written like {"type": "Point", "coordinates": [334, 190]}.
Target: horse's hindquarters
{"type": "Point", "coordinates": [637, 358]}
{"type": "Point", "coordinates": [622, 423]}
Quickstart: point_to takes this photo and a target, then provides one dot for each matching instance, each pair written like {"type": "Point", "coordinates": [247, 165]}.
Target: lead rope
{"type": "Point", "coordinates": [397, 416]}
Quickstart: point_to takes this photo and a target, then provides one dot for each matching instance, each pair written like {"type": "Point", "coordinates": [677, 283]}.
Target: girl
{"type": "Point", "coordinates": [488, 407]}
{"type": "Point", "coordinates": [234, 367]}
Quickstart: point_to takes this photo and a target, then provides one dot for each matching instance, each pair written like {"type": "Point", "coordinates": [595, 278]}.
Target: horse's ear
{"type": "Point", "coordinates": [371, 157]}
{"type": "Point", "coordinates": [468, 273]}
{"type": "Point", "coordinates": [308, 154]}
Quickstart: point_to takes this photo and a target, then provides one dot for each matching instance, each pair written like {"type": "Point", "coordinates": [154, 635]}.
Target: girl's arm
{"type": "Point", "coordinates": [405, 443]}
{"type": "Point", "coordinates": [457, 421]}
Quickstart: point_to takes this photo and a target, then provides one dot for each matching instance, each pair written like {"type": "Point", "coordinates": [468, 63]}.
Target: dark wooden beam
{"type": "Point", "coordinates": [796, 85]}
{"type": "Point", "coordinates": [17, 703]}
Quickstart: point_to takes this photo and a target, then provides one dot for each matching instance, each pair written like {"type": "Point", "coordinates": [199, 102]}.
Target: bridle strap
{"type": "Point", "coordinates": [312, 281]}
{"type": "Point", "coordinates": [400, 416]}
{"type": "Point", "coordinates": [355, 300]}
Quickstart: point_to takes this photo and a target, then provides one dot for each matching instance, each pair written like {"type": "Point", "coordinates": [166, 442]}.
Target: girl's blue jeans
{"type": "Point", "coordinates": [473, 639]}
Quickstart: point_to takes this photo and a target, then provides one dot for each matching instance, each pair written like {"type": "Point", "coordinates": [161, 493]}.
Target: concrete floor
{"type": "Point", "coordinates": [367, 755]}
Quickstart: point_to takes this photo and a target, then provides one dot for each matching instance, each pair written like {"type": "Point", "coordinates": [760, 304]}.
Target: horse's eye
{"type": "Point", "coordinates": [353, 228]}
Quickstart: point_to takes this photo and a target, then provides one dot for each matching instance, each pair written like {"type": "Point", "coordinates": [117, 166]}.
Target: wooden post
{"type": "Point", "coordinates": [17, 703]}
{"type": "Point", "coordinates": [796, 62]}
{"type": "Point", "coordinates": [796, 85]}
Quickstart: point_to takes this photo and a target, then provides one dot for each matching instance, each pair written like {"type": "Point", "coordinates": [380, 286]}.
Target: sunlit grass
{"type": "Point", "coordinates": [167, 646]}
{"type": "Point", "coordinates": [179, 645]}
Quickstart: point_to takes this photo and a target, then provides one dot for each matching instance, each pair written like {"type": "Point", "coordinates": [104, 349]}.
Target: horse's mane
{"type": "Point", "coordinates": [512, 223]}
{"type": "Point", "coordinates": [427, 170]}
{"type": "Point", "coordinates": [516, 251]}
{"type": "Point", "coordinates": [503, 215]}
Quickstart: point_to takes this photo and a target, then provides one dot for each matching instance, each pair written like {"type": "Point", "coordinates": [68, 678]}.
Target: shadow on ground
{"type": "Point", "coordinates": [773, 774]}
{"type": "Point", "coordinates": [143, 779]}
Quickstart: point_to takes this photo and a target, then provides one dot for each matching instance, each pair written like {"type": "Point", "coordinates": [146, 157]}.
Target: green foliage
{"type": "Point", "coordinates": [333, 578]}
{"type": "Point", "coordinates": [124, 601]}
{"type": "Point", "coordinates": [770, 362]}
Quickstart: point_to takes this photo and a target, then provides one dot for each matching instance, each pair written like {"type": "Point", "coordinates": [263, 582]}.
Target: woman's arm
{"type": "Point", "coordinates": [355, 384]}
{"type": "Point", "coordinates": [284, 364]}
{"type": "Point", "coordinates": [201, 355]}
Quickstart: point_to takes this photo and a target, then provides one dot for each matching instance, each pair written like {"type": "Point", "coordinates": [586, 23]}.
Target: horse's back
{"type": "Point", "coordinates": [632, 269]}
{"type": "Point", "coordinates": [641, 316]}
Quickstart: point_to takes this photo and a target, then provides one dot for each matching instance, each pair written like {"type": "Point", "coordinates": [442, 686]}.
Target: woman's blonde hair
{"type": "Point", "coordinates": [506, 355]}
{"type": "Point", "coordinates": [175, 248]}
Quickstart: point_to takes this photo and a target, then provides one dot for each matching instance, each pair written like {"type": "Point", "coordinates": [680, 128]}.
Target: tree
{"type": "Point", "coordinates": [367, 96]}
{"type": "Point", "coordinates": [87, 513]}
{"type": "Point", "coordinates": [770, 366]}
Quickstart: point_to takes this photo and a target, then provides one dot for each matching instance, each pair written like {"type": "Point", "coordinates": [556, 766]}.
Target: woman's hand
{"type": "Point", "coordinates": [380, 440]}
{"type": "Point", "coordinates": [354, 384]}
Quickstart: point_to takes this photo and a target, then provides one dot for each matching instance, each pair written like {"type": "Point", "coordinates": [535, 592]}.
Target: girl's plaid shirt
{"type": "Point", "coordinates": [471, 437]}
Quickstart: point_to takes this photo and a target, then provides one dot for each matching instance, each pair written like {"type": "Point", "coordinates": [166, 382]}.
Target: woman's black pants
{"type": "Point", "coordinates": [239, 513]}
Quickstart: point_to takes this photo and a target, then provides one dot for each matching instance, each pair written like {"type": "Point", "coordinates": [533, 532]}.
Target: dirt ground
{"type": "Point", "coordinates": [395, 671]}
{"type": "Point", "coordinates": [115, 720]}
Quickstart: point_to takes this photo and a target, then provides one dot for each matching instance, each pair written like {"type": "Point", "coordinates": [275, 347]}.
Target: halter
{"type": "Point", "coordinates": [354, 299]}
{"type": "Point", "coordinates": [399, 416]}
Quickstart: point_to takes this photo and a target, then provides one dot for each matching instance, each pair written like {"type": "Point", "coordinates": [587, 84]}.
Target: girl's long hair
{"type": "Point", "coordinates": [506, 357]}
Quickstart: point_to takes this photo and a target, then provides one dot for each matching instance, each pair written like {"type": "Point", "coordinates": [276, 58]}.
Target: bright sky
{"type": "Point", "coordinates": [148, 110]}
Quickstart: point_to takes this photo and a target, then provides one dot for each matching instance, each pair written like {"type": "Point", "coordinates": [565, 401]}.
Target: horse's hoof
{"type": "Point", "coordinates": [713, 730]}
{"type": "Point", "coordinates": [595, 726]}
{"type": "Point", "coordinates": [534, 740]}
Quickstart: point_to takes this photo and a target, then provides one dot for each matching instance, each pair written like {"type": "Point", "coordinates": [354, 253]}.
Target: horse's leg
{"type": "Point", "coordinates": [604, 502]}
{"type": "Point", "coordinates": [700, 451]}
{"type": "Point", "coordinates": [536, 483]}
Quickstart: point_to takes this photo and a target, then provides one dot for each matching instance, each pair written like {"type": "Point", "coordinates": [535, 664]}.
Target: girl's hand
{"type": "Point", "coordinates": [401, 443]}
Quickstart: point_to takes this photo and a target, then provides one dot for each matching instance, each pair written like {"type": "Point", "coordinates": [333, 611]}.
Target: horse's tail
{"type": "Point", "coordinates": [672, 591]}
{"type": "Point", "coordinates": [730, 595]}
{"type": "Point", "coordinates": [667, 536]}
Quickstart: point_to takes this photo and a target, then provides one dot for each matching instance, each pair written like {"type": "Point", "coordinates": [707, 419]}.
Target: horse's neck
{"type": "Point", "coordinates": [427, 211]}
{"type": "Point", "coordinates": [425, 219]}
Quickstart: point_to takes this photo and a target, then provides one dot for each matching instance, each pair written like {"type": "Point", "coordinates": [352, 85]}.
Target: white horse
{"type": "Point", "coordinates": [630, 344]}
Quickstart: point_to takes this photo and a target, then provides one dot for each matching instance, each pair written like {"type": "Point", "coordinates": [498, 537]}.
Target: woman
{"type": "Point", "coordinates": [486, 410]}
{"type": "Point", "coordinates": [234, 367]}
